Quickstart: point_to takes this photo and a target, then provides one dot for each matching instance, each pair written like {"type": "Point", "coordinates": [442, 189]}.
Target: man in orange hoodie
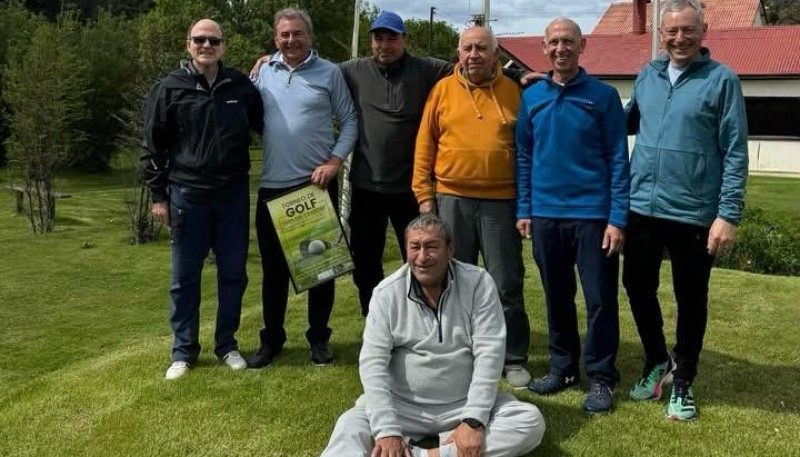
{"type": "Point", "coordinates": [464, 170]}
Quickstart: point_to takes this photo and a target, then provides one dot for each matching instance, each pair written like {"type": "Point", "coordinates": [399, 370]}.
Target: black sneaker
{"type": "Point", "coordinates": [600, 398]}
{"type": "Point", "coordinates": [263, 357]}
{"type": "Point", "coordinates": [321, 354]}
{"type": "Point", "coordinates": [552, 384]}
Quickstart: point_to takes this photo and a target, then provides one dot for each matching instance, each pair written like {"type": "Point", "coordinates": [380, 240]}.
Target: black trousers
{"type": "Point", "coordinates": [369, 213]}
{"type": "Point", "coordinates": [647, 238]}
{"type": "Point", "coordinates": [275, 285]}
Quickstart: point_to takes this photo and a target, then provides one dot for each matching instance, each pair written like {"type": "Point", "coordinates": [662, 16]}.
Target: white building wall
{"type": "Point", "coordinates": [766, 156]}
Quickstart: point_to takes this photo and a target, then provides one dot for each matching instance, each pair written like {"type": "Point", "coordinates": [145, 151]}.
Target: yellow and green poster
{"type": "Point", "coordinates": [311, 236]}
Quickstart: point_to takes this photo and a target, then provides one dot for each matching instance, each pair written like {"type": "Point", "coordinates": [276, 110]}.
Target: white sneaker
{"type": "Point", "coordinates": [235, 360]}
{"type": "Point", "coordinates": [517, 376]}
{"type": "Point", "coordinates": [177, 370]}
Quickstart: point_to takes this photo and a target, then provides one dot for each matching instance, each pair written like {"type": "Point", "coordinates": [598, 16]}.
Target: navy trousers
{"type": "Point", "coordinates": [558, 245]}
{"type": "Point", "coordinates": [194, 229]}
{"type": "Point", "coordinates": [275, 285]}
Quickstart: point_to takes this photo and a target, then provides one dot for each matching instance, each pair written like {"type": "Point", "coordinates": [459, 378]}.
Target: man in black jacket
{"type": "Point", "coordinates": [195, 161]}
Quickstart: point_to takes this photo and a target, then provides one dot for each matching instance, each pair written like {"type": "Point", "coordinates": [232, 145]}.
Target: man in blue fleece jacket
{"type": "Point", "coordinates": [572, 198]}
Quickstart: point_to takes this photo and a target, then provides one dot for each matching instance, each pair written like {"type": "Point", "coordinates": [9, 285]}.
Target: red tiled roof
{"type": "Point", "coordinates": [754, 51]}
{"type": "Point", "coordinates": [719, 14]}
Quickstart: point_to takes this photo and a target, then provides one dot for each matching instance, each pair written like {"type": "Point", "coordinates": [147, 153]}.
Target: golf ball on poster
{"type": "Point", "coordinates": [316, 247]}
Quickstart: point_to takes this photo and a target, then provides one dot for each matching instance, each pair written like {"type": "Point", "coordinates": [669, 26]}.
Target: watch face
{"type": "Point", "coordinates": [474, 423]}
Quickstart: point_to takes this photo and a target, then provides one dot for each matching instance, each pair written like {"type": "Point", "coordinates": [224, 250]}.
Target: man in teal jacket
{"type": "Point", "coordinates": [688, 176]}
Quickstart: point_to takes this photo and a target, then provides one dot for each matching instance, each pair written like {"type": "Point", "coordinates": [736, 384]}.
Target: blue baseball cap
{"type": "Point", "coordinates": [389, 21]}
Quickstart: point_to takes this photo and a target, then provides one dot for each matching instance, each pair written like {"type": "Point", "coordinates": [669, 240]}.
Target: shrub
{"type": "Point", "coordinates": [766, 243]}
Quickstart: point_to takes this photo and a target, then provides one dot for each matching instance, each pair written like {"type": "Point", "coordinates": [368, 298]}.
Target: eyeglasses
{"type": "Point", "coordinates": [200, 40]}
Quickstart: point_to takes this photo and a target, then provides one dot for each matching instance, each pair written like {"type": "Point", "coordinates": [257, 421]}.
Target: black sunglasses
{"type": "Point", "coordinates": [213, 41]}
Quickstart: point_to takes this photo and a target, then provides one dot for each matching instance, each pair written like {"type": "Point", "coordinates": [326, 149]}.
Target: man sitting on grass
{"type": "Point", "coordinates": [431, 362]}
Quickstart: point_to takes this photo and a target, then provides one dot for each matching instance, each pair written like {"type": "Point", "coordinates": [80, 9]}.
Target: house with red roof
{"type": "Point", "coordinates": [766, 58]}
{"type": "Point", "coordinates": [627, 16]}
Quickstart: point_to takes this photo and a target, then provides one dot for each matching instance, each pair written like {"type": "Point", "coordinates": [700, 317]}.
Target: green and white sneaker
{"type": "Point", "coordinates": [681, 402]}
{"type": "Point", "coordinates": [651, 384]}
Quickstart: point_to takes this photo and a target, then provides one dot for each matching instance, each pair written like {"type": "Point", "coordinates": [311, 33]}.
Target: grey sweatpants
{"type": "Point", "coordinates": [514, 427]}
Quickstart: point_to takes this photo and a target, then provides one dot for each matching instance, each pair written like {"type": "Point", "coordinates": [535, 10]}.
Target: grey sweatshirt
{"type": "Point", "coordinates": [389, 102]}
{"type": "Point", "coordinates": [412, 353]}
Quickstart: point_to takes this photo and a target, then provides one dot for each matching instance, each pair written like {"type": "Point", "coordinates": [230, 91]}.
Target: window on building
{"type": "Point", "coordinates": [773, 116]}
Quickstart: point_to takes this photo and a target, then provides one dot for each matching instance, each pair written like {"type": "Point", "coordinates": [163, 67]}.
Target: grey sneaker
{"type": "Point", "coordinates": [235, 360]}
{"type": "Point", "coordinates": [517, 376]}
{"type": "Point", "coordinates": [177, 370]}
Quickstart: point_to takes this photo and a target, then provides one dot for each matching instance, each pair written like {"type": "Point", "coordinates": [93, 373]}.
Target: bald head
{"type": "Point", "coordinates": [477, 53]}
{"type": "Point", "coordinates": [206, 44]}
{"type": "Point", "coordinates": [564, 23]}
{"type": "Point", "coordinates": [481, 33]}
{"type": "Point", "coordinates": [563, 45]}
{"type": "Point", "coordinates": [205, 24]}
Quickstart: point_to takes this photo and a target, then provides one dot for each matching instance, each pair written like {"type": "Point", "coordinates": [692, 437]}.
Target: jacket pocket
{"type": "Point", "coordinates": [681, 178]}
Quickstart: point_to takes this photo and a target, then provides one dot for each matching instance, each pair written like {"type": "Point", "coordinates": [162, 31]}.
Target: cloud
{"type": "Point", "coordinates": [518, 17]}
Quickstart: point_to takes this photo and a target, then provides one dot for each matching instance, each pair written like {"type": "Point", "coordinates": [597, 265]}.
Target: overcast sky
{"type": "Point", "coordinates": [508, 17]}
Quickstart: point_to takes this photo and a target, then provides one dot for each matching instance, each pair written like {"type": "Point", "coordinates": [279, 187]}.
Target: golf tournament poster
{"type": "Point", "coordinates": [311, 236]}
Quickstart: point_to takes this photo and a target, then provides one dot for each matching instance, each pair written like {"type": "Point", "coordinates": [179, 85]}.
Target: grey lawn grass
{"type": "Point", "coordinates": [84, 343]}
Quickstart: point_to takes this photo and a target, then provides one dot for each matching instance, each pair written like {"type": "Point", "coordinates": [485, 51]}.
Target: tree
{"type": "Point", "coordinates": [782, 12]}
{"type": "Point", "coordinates": [107, 45]}
{"type": "Point", "coordinates": [444, 43]}
{"type": "Point", "coordinates": [444, 39]}
{"type": "Point", "coordinates": [88, 9]}
{"type": "Point", "coordinates": [45, 91]}
{"type": "Point", "coordinates": [162, 35]}
{"type": "Point", "coordinates": [142, 227]}
{"type": "Point", "coordinates": [16, 29]}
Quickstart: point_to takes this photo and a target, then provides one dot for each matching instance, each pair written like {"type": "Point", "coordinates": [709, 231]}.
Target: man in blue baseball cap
{"type": "Point", "coordinates": [389, 21]}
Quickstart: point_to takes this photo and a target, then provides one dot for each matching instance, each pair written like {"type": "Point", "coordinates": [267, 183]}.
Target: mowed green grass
{"type": "Point", "coordinates": [84, 342]}
{"type": "Point", "coordinates": [779, 194]}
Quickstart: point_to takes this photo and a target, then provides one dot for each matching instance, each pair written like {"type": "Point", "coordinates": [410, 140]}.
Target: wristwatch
{"type": "Point", "coordinates": [473, 423]}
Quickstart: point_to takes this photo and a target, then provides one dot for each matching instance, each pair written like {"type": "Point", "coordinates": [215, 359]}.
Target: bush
{"type": "Point", "coordinates": [766, 243]}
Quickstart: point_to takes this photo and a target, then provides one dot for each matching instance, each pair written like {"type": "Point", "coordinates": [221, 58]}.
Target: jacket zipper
{"type": "Point", "coordinates": [437, 313]}
{"type": "Point", "coordinates": [212, 94]}
{"type": "Point", "coordinates": [657, 159]}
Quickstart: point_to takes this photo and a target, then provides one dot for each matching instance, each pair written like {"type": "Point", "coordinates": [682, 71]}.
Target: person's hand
{"type": "Point", "coordinates": [323, 174]}
{"type": "Point", "coordinates": [257, 66]}
{"type": "Point", "coordinates": [613, 239]}
{"type": "Point", "coordinates": [524, 227]}
{"type": "Point", "coordinates": [390, 446]}
{"type": "Point", "coordinates": [468, 440]}
{"type": "Point", "coordinates": [427, 207]}
{"type": "Point", "coordinates": [721, 237]}
{"type": "Point", "coordinates": [160, 211]}
{"type": "Point", "coordinates": [531, 77]}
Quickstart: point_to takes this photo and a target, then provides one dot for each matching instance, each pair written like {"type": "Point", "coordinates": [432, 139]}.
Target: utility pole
{"type": "Point", "coordinates": [430, 31]}
{"type": "Point", "coordinates": [477, 20]}
{"type": "Point", "coordinates": [344, 198]}
{"type": "Point", "coordinates": [486, 13]}
{"type": "Point", "coordinates": [654, 28]}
